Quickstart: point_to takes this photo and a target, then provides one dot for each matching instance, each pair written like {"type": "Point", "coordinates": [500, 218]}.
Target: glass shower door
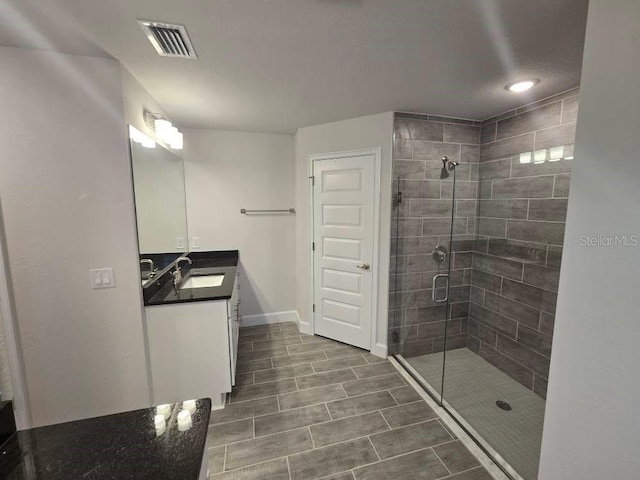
{"type": "Point", "coordinates": [428, 287]}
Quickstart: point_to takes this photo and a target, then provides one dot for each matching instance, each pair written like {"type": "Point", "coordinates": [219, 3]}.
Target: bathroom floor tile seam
{"type": "Point", "coordinates": [302, 423]}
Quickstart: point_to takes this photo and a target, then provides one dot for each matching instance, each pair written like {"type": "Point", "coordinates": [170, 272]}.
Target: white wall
{"type": "Point", "coordinates": [226, 171]}
{"type": "Point", "coordinates": [359, 133]}
{"type": "Point", "coordinates": [65, 188]}
{"type": "Point", "coordinates": [591, 428]}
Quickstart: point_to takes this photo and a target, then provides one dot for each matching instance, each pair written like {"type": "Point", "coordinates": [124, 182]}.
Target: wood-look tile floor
{"type": "Point", "coordinates": [305, 407]}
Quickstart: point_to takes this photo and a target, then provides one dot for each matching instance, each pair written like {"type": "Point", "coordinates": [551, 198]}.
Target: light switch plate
{"type": "Point", "coordinates": [195, 242]}
{"type": "Point", "coordinates": [102, 278]}
{"type": "Point", "coordinates": [180, 242]}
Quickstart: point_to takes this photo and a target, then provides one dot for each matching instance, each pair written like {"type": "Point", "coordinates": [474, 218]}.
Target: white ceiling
{"type": "Point", "coordinates": [276, 65]}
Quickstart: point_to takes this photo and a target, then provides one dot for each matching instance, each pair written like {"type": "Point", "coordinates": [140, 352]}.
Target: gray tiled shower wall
{"type": "Point", "coordinates": [516, 219]}
{"type": "Point", "coordinates": [422, 221]}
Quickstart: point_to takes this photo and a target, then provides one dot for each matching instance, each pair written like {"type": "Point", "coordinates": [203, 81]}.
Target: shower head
{"type": "Point", "coordinates": [446, 166]}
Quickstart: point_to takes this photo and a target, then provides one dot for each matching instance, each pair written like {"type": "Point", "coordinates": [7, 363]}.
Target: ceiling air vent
{"type": "Point", "coordinates": [169, 40]}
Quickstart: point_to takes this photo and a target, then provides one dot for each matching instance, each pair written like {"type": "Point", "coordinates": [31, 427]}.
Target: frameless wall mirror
{"type": "Point", "coordinates": [158, 182]}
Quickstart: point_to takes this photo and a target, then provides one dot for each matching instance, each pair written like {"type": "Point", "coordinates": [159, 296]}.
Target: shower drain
{"type": "Point", "coordinates": [503, 405]}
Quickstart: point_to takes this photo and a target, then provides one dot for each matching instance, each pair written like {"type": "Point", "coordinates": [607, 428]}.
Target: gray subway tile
{"type": "Point", "coordinates": [424, 130]}
{"type": "Point", "coordinates": [497, 266]}
{"type": "Point", "coordinates": [551, 209]}
{"type": "Point", "coordinates": [429, 208]}
{"type": "Point", "coordinates": [540, 386]}
{"type": "Point", "coordinates": [486, 280]}
{"type": "Point", "coordinates": [464, 190]}
{"type": "Point", "coordinates": [547, 321]}
{"type": "Point", "coordinates": [409, 168]}
{"type": "Point", "coordinates": [273, 470]}
{"type": "Point", "coordinates": [469, 154]}
{"type": "Point", "coordinates": [358, 405]}
{"type": "Point", "coordinates": [385, 382]}
{"type": "Point", "coordinates": [404, 395]}
{"type": "Point", "coordinates": [434, 151]}
{"type": "Point", "coordinates": [570, 107]}
{"type": "Point", "coordinates": [339, 363]}
{"type": "Point", "coordinates": [420, 188]}
{"type": "Point", "coordinates": [524, 187]}
{"type": "Point", "coordinates": [254, 366]}
{"type": "Point", "coordinates": [561, 187]}
{"type": "Point", "coordinates": [506, 147]}
{"type": "Point", "coordinates": [264, 376]}
{"type": "Point", "coordinates": [348, 428]}
{"type": "Point", "coordinates": [543, 277]}
{"type": "Point", "coordinates": [530, 121]}
{"type": "Point", "coordinates": [517, 311]}
{"type": "Point", "coordinates": [216, 459]}
{"type": "Point", "coordinates": [535, 340]}
{"type": "Point", "coordinates": [326, 378]}
{"type": "Point", "coordinates": [420, 465]}
{"type": "Point", "coordinates": [455, 133]}
{"type": "Point", "coordinates": [250, 392]}
{"type": "Point", "coordinates": [258, 337]}
{"type": "Point", "coordinates": [494, 170]}
{"type": "Point", "coordinates": [488, 132]}
{"type": "Point", "coordinates": [290, 419]}
{"type": "Point", "coordinates": [402, 148]}
{"type": "Point", "coordinates": [512, 208]}
{"type": "Point", "coordinates": [493, 320]}
{"type": "Point", "coordinates": [536, 231]}
{"type": "Point", "coordinates": [533, 296]}
{"type": "Point", "coordinates": [408, 414]}
{"type": "Point", "coordinates": [260, 354]}
{"type": "Point", "coordinates": [442, 226]}
{"type": "Point", "coordinates": [492, 227]}
{"type": "Point", "coordinates": [239, 411]}
{"type": "Point", "coordinates": [272, 344]}
{"type": "Point", "coordinates": [456, 457]}
{"type": "Point", "coordinates": [406, 439]}
{"type": "Point", "coordinates": [482, 332]}
{"type": "Point", "coordinates": [519, 373]}
{"type": "Point", "coordinates": [343, 351]}
{"type": "Point", "coordinates": [533, 169]}
{"type": "Point", "coordinates": [223, 433]}
{"type": "Point", "coordinates": [268, 448]}
{"type": "Point", "coordinates": [524, 355]}
{"type": "Point", "coordinates": [375, 370]}
{"type": "Point", "coordinates": [522, 251]}
{"type": "Point", "coordinates": [337, 458]}
{"type": "Point", "coordinates": [297, 359]}
{"type": "Point", "coordinates": [311, 397]}
{"type": "Point", "coordinates": [564, 134]}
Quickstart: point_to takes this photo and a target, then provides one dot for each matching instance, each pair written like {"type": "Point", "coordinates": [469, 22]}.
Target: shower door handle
{"type": "Point", "coordinates": [433, 288]}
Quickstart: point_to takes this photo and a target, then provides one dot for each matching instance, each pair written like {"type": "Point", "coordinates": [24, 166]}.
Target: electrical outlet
{"type": "Point", "coordinates": [195, 242]}
{"type": "Point", "coordinates": [102, 278]}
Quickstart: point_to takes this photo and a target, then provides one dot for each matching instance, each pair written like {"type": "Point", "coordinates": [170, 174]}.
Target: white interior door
{"type": "Point", "coordinates": [343, 211]}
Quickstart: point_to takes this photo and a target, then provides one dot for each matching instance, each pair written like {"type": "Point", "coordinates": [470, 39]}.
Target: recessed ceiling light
{"type": "Point", "coordinates": [522, 86]}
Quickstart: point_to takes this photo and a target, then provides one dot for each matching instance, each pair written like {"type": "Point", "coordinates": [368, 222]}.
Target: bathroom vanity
{"type": "Point", "coordinates": [192, 328]}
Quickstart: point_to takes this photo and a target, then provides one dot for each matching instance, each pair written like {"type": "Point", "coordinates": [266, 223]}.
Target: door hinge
{"type": "Point", "coordinates": [314, 308]}
{"type": "Point", "coordinates": [399, 197]}
{"type": "Point", "coordinates": [313, 180]}
{"type": "Point", "coordinates": [313, 246]}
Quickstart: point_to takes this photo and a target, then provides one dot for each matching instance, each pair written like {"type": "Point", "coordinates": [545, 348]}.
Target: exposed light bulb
{"type": "Point", "coordinates": [162, 128]}
{"type": "Point", "coordinates": [177, 141]}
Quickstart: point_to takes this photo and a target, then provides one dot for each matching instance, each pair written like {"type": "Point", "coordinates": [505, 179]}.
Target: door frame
{"type": "Point", "coordinates": [375, 270]}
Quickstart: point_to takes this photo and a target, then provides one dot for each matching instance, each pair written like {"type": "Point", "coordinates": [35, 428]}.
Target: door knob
{"type": "Point", "coordinates": [364, 266]}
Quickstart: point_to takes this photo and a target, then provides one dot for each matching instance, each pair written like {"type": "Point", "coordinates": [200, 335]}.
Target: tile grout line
{"type": "Point", "coordinates": [443, 464]}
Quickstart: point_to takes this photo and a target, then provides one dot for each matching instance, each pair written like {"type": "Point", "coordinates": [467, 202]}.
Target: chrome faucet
{"type": "Point", "coordinates": [152, 266]}
{"type": "Point", "coordinates": [177, 273]}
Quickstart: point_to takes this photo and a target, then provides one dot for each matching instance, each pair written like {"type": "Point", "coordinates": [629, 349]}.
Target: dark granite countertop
{"type": "Point", "coordinates": [119, 446]}
{"type": "Point", "coordinates": [204, 263]}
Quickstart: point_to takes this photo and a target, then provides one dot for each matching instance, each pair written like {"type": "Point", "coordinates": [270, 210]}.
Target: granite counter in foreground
{"type": "Point", "coordinates": [119, 446]}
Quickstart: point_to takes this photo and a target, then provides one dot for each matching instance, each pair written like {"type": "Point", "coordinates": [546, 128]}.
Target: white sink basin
{"type": "Point", "coordinates": [203, 281]}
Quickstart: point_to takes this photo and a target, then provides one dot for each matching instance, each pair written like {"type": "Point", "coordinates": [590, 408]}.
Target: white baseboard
{"type": "Point", "coordinates": [379, 350]}
{"type": "Point", "coordinates": [304, 327]}
{"type": "Point", "coordinates": [267, 318]}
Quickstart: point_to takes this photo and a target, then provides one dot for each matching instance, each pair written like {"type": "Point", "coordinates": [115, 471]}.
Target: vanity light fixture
{"type": "Point", "coordinates": [139, 137]}
{"type": "Point", "coordinates": [522, 86]}
{"type": "Point", "coordinates": [165, 131]}
{"type": "Point", "coordinates": [553, 154]}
